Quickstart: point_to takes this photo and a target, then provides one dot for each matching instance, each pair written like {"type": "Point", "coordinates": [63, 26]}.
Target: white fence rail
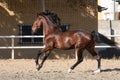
{"type": "Point", "coordinates": [13, 47]}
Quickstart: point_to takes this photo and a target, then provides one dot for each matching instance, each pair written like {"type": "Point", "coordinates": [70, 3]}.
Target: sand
{"type": "Point", "coordinates": [25, 69]}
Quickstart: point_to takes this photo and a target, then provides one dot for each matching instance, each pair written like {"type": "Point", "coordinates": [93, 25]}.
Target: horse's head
{"type": "Point", "coordinates": [37, 23]}
{"type": "Point", "coordinates": [45, 20]}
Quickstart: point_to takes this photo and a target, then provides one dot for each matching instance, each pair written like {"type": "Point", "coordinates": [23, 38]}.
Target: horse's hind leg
{"type": "Point", "coordinates": [79, 58]}
{"type": "Point", "coordinates": [97, 56]}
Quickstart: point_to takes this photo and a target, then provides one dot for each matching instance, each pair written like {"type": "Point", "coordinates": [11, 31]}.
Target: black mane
{"type": "Point", "coordinates": [52, 16]}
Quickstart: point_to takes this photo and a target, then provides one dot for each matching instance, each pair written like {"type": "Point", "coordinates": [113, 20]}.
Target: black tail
{"type": "Point", "coordinates": [99, 38]}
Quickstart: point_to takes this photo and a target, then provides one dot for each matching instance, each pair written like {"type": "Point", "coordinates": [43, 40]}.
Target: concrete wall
{"type": "Point", "coordinates": [105, 27]}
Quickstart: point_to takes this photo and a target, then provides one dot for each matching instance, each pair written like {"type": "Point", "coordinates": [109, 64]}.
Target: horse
{"type": "Point", "coordinates": [76, 39]}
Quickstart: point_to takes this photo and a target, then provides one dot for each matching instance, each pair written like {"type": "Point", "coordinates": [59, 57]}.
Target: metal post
{"type": "Point", "coordinates": [114, 11]}
{"type": "Point", "coordinates": [12, 44]}
{"type": "Point", "coordinates": [43, 5]}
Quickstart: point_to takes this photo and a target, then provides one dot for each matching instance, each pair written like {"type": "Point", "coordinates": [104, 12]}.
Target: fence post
{"type": "Point", "coordinates": [12, 44]}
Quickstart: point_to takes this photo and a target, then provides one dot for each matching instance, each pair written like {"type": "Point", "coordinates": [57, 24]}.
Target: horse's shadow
{"type": "Point", "coordinates": [111, 70]}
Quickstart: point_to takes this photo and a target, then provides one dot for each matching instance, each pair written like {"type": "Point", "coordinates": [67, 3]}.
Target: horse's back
{"type": "Point", "coordinates": [78, 34]}
{"type": "Point", "coordinates": [71, 39]}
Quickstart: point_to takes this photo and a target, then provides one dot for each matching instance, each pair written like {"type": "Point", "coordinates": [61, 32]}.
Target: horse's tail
{"type": "Point", "coordinates": [99, 38]}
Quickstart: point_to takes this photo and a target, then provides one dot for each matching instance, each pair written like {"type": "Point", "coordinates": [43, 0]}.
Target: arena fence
{"type": "Point", "coordinates": [13, 47]}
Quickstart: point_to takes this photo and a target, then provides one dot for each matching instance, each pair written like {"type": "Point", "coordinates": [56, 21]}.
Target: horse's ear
{"type": "Point", "coordinates": [41, 13]}
{"type": "Point", "coordinates": [38, 14]}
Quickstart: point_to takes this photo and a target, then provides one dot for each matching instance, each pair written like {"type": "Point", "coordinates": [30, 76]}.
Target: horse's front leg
{"type": "Point", "coordinates": [46, 54]}
{"type": "Point", "coordinates": [37, 58]}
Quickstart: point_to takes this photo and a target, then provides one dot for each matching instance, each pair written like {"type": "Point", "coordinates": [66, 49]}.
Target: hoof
{"type": "Point", "coordinates": [38, 67]}
{"type": "Point", "coordinates": [69, 70]}
{"type": "Point", "coordinates": [97, 71]}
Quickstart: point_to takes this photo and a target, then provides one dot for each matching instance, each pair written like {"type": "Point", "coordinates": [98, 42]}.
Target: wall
{"type": "Point", "coordinates": [105, 27]}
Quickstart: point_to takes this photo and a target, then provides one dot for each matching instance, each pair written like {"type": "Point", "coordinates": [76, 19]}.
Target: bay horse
{"type": "Point", "coordinates": [77, 39]}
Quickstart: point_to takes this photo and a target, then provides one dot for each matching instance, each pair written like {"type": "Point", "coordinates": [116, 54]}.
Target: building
{"type": "Point", "coordinates": [112, 12]}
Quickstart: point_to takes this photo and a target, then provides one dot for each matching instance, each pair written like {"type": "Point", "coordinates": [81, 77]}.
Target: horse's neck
{"type": "Point", "coordinates": [49, 29]}
{"type": "Point", "coordinates": [45, 29]}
